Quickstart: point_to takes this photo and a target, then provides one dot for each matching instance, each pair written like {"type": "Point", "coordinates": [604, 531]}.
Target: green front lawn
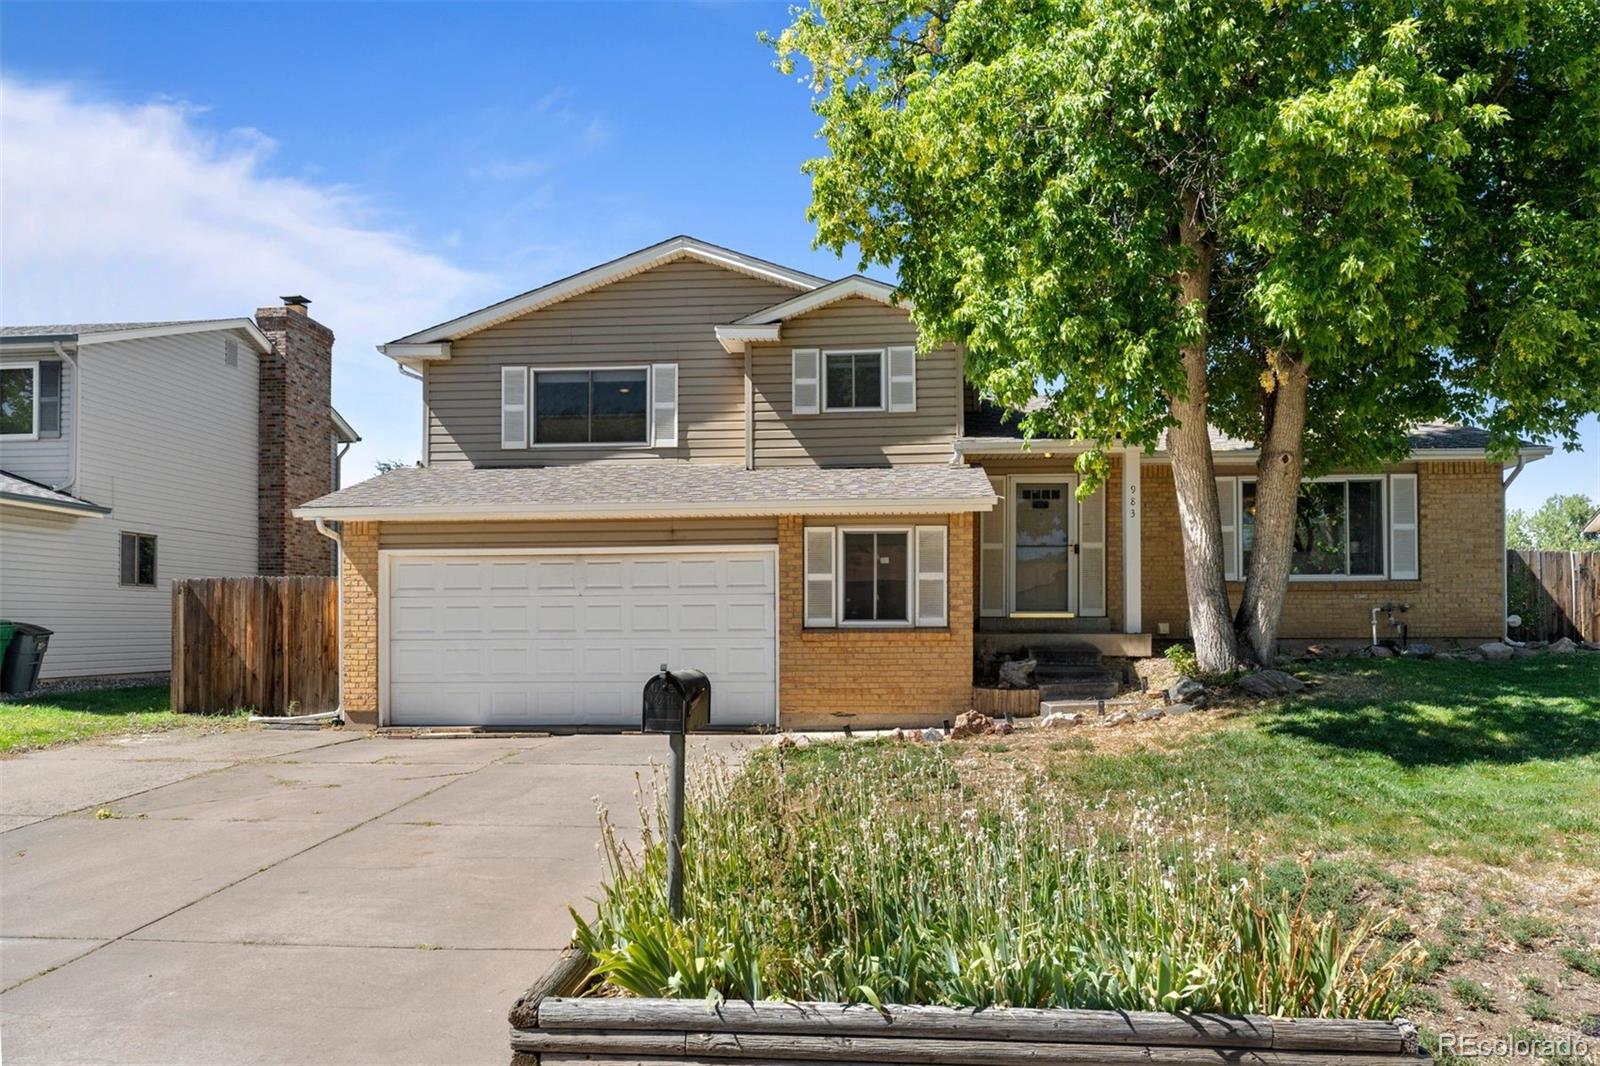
{"type": "Point", "coordinates": [62, 717]}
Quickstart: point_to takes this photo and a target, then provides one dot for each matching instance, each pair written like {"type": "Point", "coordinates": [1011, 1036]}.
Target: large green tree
{"type": "Point", "coordinates": [1556, 525]}
{"type": "Point", "coordinates": [1312, 225]}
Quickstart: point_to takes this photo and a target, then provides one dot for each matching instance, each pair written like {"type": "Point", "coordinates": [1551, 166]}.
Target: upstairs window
{"type": "Point", "coordinates": [19, 411]}
{"type": "Point", "coordinates": [854, 381]}
{"type": "Point", "coordinates": [138, 560]}
{"type": "Point", "coordinates": [591, 407]}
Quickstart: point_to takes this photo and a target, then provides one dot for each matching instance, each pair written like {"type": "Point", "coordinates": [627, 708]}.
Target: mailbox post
{"type": "Point", "coordinates": [676, 702]}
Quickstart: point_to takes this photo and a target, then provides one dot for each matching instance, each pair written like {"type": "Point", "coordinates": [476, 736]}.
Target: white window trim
{"type": "Point", "coordinates": [32, 365]}
{"type": "Point", "coordinates": [1383, 491]}
{"type": "Point", "coordinates": [910, 534]}
{"type": "Point", "coordinates": [533, 410]}
{"type": "Point", "coordinates": [883, 380]}
{"type": "Point", "coordinates": [155, 578]}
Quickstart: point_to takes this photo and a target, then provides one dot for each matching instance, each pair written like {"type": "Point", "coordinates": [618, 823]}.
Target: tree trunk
{"type": "Point", "coordinates": [1277, 486]}
{"type": "Point", "coordinates": [1193, 475]}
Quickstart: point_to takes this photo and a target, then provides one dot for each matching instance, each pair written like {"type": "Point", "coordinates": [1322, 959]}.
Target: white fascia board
{"type": "Point", "coordinates": [1013, 446]}
{"type": "Point", "coordinates": [626, 509]}
{"type": "Point", "coordinates": [734, 338]}
{"type": "Point", "coordinates": [1418, 455]}
{"type": "Point", "coordinates": [79, 510]}
{"type": "Point", "coordinates": [243, 325]}
{"type": "Point", "coordinates": [834, 291]}
{"type": "Point", "coordinates": [606, 273]}
{"type": "Point", "coordinates": [410, 354]}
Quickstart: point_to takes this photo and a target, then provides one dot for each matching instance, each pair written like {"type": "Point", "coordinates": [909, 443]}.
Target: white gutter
{"type": "Point", "coordinates": [77, 413]}
{"type": "Point", "coordinates": [338, 542]}
{"type": "Point", "coordinates": [1007, 446]}
{"type": "Point", "coordinates": [627, 509]}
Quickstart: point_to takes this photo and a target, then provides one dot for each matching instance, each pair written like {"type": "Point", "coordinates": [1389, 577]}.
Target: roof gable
{"type": "Point", "coordinates": [432, 343]}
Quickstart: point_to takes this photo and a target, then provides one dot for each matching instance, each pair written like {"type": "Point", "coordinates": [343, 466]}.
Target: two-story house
{"type": "Point", "coordinates": [132, 454]}
{"type": "Point", "coordinates": [696, 457]}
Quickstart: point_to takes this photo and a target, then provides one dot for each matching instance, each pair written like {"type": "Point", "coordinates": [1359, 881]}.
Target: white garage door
{"type": "Point", "coordinates": [569, 640]}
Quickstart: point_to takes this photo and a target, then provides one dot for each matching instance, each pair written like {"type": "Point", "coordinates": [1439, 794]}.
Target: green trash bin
{"type": "Point", "coordinates": [6, 629]}
{"type": "Point", "coordinates": [19, 670]}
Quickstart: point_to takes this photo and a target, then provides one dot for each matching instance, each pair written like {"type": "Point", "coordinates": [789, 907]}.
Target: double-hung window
{"type": "Point", "coordinates": [1339, 527]}
{"type": "Point", "coordinates": [876, 568]}
{"type": "Point", "coordinates": [591, 406]}
{"type": "Point", "coordinates": [853, 381]}
{"type": "Point", "coordinates": [19, 407]}
{"type": "Point", "coordinates": [138, 563]}
{"type": "Point", "coordinates": [893, 576]}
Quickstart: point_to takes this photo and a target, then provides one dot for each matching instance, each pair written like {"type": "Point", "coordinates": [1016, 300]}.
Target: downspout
{"type": "Point", "coordinates": [338, 542]}
{"type": "Point", "coordinates": [77, 414]}
{"type": "Point", "coordinates": [1505, 563]}
{"type": "Point", "coordinates": [749, 411]}
{"type": "Point", "coordinates": [407, 372]}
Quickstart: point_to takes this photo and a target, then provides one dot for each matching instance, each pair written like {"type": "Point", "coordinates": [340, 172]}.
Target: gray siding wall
{"type": "Point", "coordinates": [925, 435]}
{"type": "Point", "coordinates": [664, 315]}
{"type": "Point", "coordinates": [577, 535]}
{"type": "Point", "coordinates": [169, 444]}
{"type": "Point", "coordinates": [46, 461]}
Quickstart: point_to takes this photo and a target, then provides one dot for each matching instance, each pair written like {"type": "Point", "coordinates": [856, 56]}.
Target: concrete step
{"type": "Point", "coordinates": [1085, 689]}
{"type": "Point", "coordinates": [1076, 654]}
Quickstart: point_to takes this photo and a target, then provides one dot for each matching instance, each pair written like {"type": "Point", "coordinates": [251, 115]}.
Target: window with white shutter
{"type": "Point", "coordinates": [992, 555]}
{"type": "Point", "coordinates": [1228, 504]}
{"type": "Point", "coordinates": [819, 576]}
{"type": "Point", "coordinates": [1092, 554]}
{"type": "Point", "coordinates": [513, 407]}
{"type": "Point", "coordinates": [664, 404]}
{"type": "Point", "coordinates": [932, 576]}
{"type": "Point", "coordinates": [1404, 557]}
{"type": "Point", "coordinates": [903, 378]}
{"type": "Point", "coordinates": [806, 397]}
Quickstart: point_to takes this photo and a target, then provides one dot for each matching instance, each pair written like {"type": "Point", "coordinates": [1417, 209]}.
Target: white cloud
{"type": "Point", "coordinates": [111, 212]}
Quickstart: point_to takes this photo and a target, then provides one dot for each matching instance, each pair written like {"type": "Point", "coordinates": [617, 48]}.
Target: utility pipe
{"type": "Point", "coordinates": [338, 541]}
{"type": "Point", "coordinates": [1505, 562]}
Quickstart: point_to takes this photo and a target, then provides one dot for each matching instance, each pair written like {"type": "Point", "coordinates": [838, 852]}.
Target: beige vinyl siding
{"type": "Point", "coordinates": [47, 461]}
{"type": "Point", "coordinates": [925, 435]}
{"type": "Point", "coordinates": [578, 535]}
{"type": "Point", "coordinates": [664, 315]}
{"type": "Point", "coordinates": [170, 445]}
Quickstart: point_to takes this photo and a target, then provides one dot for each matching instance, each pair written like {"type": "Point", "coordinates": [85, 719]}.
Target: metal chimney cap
{"type": "Point", "coordinates": [296, 301]}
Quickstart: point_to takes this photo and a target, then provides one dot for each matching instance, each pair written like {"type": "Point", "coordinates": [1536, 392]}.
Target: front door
{"type": "Point", "coordinates": [1042, 578]}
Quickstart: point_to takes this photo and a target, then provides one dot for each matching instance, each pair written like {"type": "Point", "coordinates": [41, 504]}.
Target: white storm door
{"type": "Point", "coordinates": [1043, 563]}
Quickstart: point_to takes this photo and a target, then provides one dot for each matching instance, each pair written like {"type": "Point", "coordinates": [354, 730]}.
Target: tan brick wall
{"type": "Point", "coordinates": [872, 678]}
{"type": "Point", "coordinates": [359, 584]}
{"type": "Point", "coordinates": [1459, 594]}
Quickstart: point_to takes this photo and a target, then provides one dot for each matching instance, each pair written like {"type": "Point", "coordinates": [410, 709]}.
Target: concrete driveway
{"type": "Point", "coordinates": [274, 896]}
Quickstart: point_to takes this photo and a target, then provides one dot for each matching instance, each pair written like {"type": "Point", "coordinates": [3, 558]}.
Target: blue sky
{"type": "Point", "coordinates": [399, 164]}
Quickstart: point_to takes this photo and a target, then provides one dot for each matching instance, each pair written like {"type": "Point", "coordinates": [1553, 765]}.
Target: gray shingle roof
{"type": "Point", "coordinates": [619, 489]}
{"type": "Point", "coordinates": [79, 328]}
{"type": "Point", "coordinates": [22, 490]}
{"type": "Point", "coordinates": [991, 422]}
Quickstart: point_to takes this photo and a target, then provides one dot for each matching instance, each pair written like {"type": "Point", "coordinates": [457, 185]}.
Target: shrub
{"type": "Point", "coordinates": [1184, 660]}
{"type": "Point", "coordinates": [1470, 994]}
{"type": "Point", "coordinates": [872, 878]}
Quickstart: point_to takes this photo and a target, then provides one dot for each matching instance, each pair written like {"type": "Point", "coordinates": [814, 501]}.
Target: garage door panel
{"type": "Point", "coordinates": [570, 640]}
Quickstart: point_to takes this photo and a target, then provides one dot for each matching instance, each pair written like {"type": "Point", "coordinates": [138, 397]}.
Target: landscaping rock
{"type": "Point", "coordinates": [932, 734]}
{"type": "Point", "coordinates": [1418, 650]}
{"type": "Point", "coordinates": [1060, 720]}
{"type": "Point", "coordinates": [1523, 653]}
{"type": "Point", "coordinates": [1017, 673]}
{"type": "Point", "coordinates": [1266, 683]}
{"type": "Point", "coordinates": [1116, 719]}
{"type": "Point", "coordinates": [1380, 651]}
{"type": "Point", "coordinates": [976, 724]}
{"type": "Point", "coordinates": [1178, 710]}
{"type": "Point", "coordinates": [1564, 646]}
{"type": "Point", "coordinates": [1495, 651]}
{"type": "Point", "coordinates": [1151, 715]}
{"type": "Point", "coordinates": [1184, 690]}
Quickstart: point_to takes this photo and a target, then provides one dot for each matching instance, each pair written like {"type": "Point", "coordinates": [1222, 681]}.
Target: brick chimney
{"type": "Point", "coordinates": [296, 438]}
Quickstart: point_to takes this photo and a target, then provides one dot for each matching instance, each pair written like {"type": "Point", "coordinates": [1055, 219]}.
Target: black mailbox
{"type": "Point", "coordinates": [677, 701]}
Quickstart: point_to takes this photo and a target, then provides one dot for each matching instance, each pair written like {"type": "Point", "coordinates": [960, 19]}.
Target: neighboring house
{"type": "Point", "coordinates": [1592, 527]}
{"type": "Point", "coordinates": [132, 454]}
{"type": "Point", "coordinates": [695, 457]}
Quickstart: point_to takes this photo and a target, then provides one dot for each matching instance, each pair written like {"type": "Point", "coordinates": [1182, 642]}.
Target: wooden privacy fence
{"type": "Point", "coordinates": [1557, 594]}
{"type": "Point", "coordinates": [266, 644]}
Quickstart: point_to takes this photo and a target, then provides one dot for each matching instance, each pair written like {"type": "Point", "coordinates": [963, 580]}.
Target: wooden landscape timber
{"type": "Point", "coordinates": [552, 1026]}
